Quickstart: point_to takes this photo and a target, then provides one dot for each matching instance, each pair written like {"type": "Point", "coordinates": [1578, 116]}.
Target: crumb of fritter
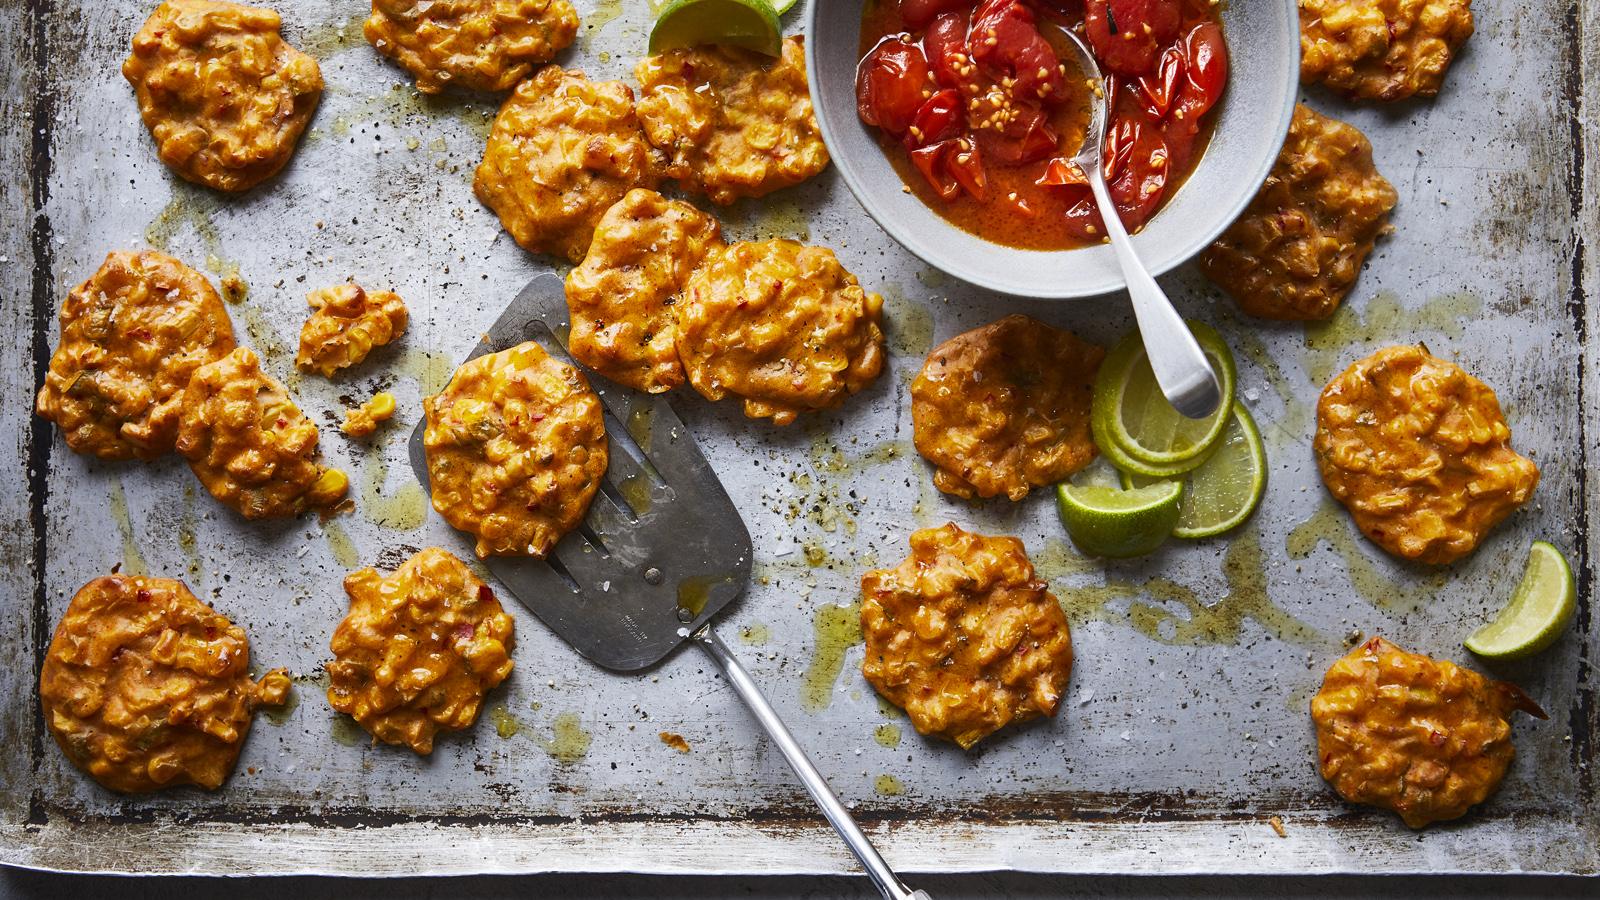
{"type": "Point", "coordinates": [145, 687]}
{"type": "Point", "coordinates": [418, 650]}
{"type": "Point", "coordinates": [1381, 49]}
{"type": "Point", "coordinates": [516, 448]}
{"type": "Point", "coordinates": [1297, 249]}
{"type": "Point", "coordinates": [346, 322]}
{"type": "Point", "coordinates": [480, 45]}
{"type": "Point", "coordinates": [1420, 454]}
{"type": "Point", "coordinates": [364, 419]}
{"type": "Point", "coordinates": [563, 149]}
{"type": "Point", "coordinates": [250, 445]}
{"type": "Point", "coordinates": [224, 96]}
{"type": "Point", "coordinates": [781, 325]}
{"type": "Point", "coordinates": [132, 335]}
{"type": "Point", "coordinates": [1422, 737]}
{"type": "Point", "coordinates": [732, 122]}
{"type": "Point", "coordinates": [963, 636]}
{"type": "Point", "coordinates": [1004, 408]}
{"type": "Point", "coordinates": [621, 298]}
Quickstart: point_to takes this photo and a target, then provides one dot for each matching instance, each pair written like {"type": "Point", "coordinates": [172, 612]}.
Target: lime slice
{"type": "Point", "coordinates": [782, 6]}
{"type": "Point", "coordinates": [1538, 613]}
{"type": "Point", "coordinates": [1224, 490]}
{"type": "Point", "coordinates": [1104, 521]}
{"type": "Point", "coordinates": [1113, 452]}
{"type": "Point", "coordinates": [1137, 416]}
{"type": "Point", "coordinates": [750, 24]}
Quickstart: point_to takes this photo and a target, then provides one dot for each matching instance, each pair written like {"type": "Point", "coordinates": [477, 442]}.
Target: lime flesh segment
{"type": "Point", "coordinates": [751, 24]}
{"type": "Point", "coordinates": [1104, 521]}
{"type": "Point", "coordinates": [782, 6]}
{"type": "Point", "coordinates": [1137, 416]}
{"type": "Point", "coordinates": [1120, 458]}
{"type": "Point", "coordinates": [1539, 612]}
{"type": "Point", "coordinates": [1225, 489]}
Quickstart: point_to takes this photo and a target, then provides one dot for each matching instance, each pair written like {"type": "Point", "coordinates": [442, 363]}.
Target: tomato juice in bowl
{"type": "Point", "coordinates": [953, 122]}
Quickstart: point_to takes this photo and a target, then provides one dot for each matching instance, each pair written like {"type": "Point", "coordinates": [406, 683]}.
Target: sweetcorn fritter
{"type": "Point", "coordinates": [1422, 737]}
{"type": "Point", "coordinates": [418, 650]}
{"type": "Point", "coordinates": [144, 687]}
{"type": "Point", "coordinates": [132, 335]}
{"type": "Point", "coordinates": [224, 96]}
{"type": "Point", "coordinates": [1420, 454]}
{"type": "Point", "coordinates": [963, 636]}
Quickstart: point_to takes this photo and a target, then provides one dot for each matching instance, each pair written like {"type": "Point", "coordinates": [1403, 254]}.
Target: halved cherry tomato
{"type": "Point", "coordinates": [1127, 35]}
{"type": "Point", "coordinates": [1136, 166]}
{"type": "Point", "coordinates": [1161, 89]}
{"type": "Point", "coordinates": [946, 45]}
{"type": "Point", "coordinates": [1206, 61]}
{"type": "Point", "coordinates": [965, 164]}
{"type": "Point", "coordinates": [1206, 76]}
{"type": "Point", "coordinates": [939, 118]}
{"type": "Point", "coordinates": [929, 161]}
{"type": "Point", "coordinates": [918, 13]}
{"type": "Point", "coordinates": [889, 84]}
{"type": "Point", "coordinates": [1005, 36]}
{"type": "Point", "coordinates": [951, 167]}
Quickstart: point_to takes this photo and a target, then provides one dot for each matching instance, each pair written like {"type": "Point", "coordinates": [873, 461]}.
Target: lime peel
{"type": "Point", "coordinates": [1131, 411]}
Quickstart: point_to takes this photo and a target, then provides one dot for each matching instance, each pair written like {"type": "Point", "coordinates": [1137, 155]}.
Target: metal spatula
{"type": "Point", "coordinates": [661, 552]}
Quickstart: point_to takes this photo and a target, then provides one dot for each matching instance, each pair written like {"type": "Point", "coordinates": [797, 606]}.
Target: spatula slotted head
{"type": "Point", "coordinates": [662, 549]}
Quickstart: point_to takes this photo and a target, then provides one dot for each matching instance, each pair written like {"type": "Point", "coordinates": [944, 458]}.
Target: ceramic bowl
{"type": "Point", "coordinates": [1263, 81]}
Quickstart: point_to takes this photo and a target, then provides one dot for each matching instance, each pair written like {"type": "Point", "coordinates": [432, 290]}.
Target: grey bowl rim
{"type": "Point", "coordinates": [879, 215]}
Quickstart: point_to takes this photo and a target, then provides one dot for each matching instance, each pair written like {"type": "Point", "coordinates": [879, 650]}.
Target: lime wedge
{"type": "Point", "coordinates": [1138, 418]}
{"type": "Point", "coordinates": [751, 24]}
{"type": "Point", "coordinates": [782, 6]}
{"type": "Point", "coordinates": [1538, 613]}
{"type": "Point", "coordinates": [1104, 521]}
{"type": "Point", "coordinates": [1224, 490]}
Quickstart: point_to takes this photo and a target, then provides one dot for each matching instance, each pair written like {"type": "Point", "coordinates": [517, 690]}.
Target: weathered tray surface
{"type": "Point", "coordinates": [1186, 725]}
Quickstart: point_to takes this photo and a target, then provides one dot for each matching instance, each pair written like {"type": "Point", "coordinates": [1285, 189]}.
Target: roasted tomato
{"type": "Point", "coordinates": [1128, 35]}
{"type": "Point", "coordinates": [1025, 138]}
{"type": "Point", "coordinates": [1205, 65]}
{"type": "Point", "coordinates": [1005, 37]}
{"type": "Point", "coordinates": [918, 13]}
{"type": "Point", "coordinates": [946, 46]}
{"type": "Point", "coordinates": [889, 84]}
{"type": "Point", "coordinates": [951, 167]}
{"type": "Point", "coordinates": [939, 118]}
{"type": "Point", "coordinates": [1136, 167]}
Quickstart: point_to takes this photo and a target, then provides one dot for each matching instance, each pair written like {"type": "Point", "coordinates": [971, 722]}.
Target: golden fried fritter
{"type": "Point", "coordinates": [418, 650]}
{"type": "Point", "coordinates": [1419, 453]}
{"type": "Point", "coordinates": [222, 94]}
{"type": "Point", "coordinates": [364, 419]}
{"type": "Point", "coordinates": [1381, 49]}
{"type": "Point", "coordinates": [782, 326]}
{"type": "Point", "coordinates": [481, 45]}
{"type": "Point", "coordinates": [1005, 408]}
{"type": "Point", "coordinates": [562, 150]}
{"type": "Point", "coordinates": [963, 637]}
{"type": "Point", "coordinates": [131, 336]}
{"type": "Point", "coordinates": [621, 297]}
{"type": "Point", "coordinates": [516, 447]}
{"type": "Point", "coordinates": [1419, 736]}
{"type": "Point", "coordinates": [145, 687]}
{"type": "Point", "coordinates": [733, 123]}
{"type": "Point", "coordinates": [346, 322]}
{"type": "Point", "coordinates": [250, 445]}
{"type": "Point", "coordinates": [1296, 250]}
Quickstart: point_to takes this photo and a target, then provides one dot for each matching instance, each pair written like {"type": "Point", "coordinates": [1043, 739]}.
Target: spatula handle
{"type": "Point", "coordinates": [816, 785]}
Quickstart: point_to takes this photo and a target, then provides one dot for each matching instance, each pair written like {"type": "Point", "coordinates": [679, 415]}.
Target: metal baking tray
{"type": "Point", "coordinates": [1185, 727]}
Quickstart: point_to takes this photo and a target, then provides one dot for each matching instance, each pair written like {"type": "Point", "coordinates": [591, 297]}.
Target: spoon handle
{"type": "Point", "coordinates": [1179, 364]}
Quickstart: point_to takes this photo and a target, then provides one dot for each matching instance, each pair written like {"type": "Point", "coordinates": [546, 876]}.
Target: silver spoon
{"type": "Point", "coordinates": [1179, 364]}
